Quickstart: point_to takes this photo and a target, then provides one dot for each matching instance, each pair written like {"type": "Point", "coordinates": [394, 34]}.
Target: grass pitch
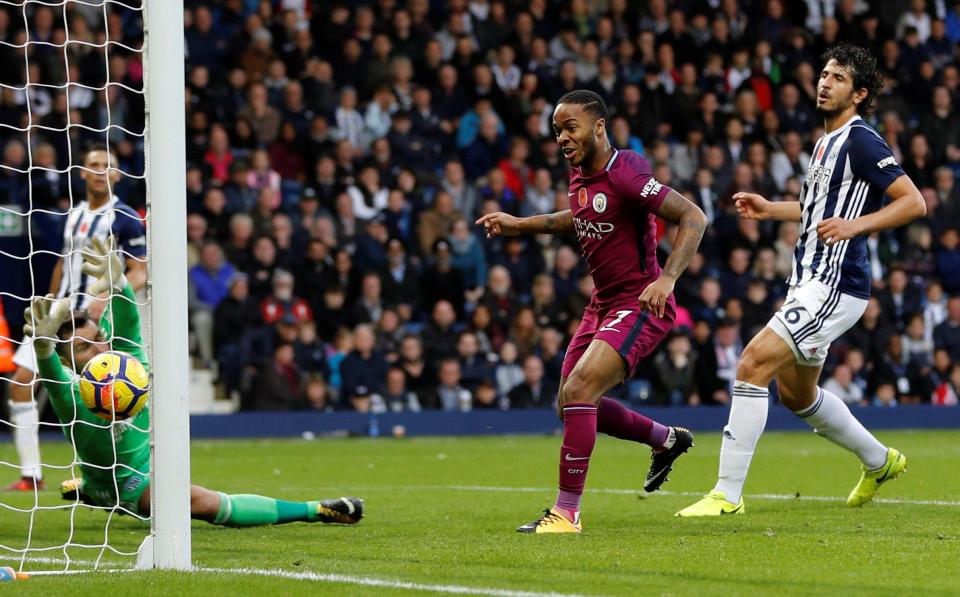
{"type": "Point", "coordinates": [441, 515]}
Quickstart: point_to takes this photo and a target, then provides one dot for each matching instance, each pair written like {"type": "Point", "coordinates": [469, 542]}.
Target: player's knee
{"type": "Point", "coordinates": [21, 390]}
{"type": "Point", "coordinates": [578, 390]}
{"type": "Point", "coordinates": [754, 368]}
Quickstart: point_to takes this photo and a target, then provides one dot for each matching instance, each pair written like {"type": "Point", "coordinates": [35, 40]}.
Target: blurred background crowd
{"type": "Point", "coordinates": [339, 153]}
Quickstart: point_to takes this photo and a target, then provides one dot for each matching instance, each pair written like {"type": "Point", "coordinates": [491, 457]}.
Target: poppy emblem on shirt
{"type": "Point", "coordinates": [820, 153]}
{"type": "Point", "coordinates": [582, 197]}
{"type": "Point", "coordinates": [599, 203]}
{"type": "Point", "coordinates": [84, 227]}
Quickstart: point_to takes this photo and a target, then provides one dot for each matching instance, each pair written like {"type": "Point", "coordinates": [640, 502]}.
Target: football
{"type": "Point", "coordinates": [114, 386]}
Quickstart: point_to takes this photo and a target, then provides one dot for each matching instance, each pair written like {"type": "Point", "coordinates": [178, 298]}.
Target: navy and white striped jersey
{"type": "Point", "coordinates": [848, 175]}
{"type": "Point", "coordinates": [116, 218]}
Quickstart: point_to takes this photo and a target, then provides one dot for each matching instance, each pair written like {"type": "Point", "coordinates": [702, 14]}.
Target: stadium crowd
{"type": "Point", "coordinates": [339, 153]}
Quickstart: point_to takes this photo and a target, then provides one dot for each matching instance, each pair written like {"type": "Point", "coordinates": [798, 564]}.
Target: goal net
{"type": "Point", "coordinates": [81, 160]}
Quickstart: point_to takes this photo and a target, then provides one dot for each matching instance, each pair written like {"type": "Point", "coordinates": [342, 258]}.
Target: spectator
{"type": "Point", "coordinates": [474, 364]}
{"type": "Point", "coordinates": [468, 257]}
{"type": "Point", "coordinates": [208, 285]}
{"type": "Point", "coordinates": [414, 365]}
{"type": "Point", "coordinates": [308, 350]}
{"type": "Point", "coordinates": [485, 397]}
{"type": "Point", "coordinates": [369, 308]}
{"type": "Point", "coordinates": [396, 397]}
{"type": "Point", "coordinates": [449, 395]}
{"type": "Point", "coordinates": [947, 392]}
{"type": "Point", "coordinates": [948, 261]}
{"type": "Point", "coordinates": [196, 237]}
{"type": "Point", "coordinates": [935, 308]}
{"type": "Point", "coordinates": [946, 336]}
{"type": "Point", "coordinates": [370, 253]}
{"type": "Point", "coordinates": [282, 302]}
{"type": "Point", "coordinates": [436, 222]}
{"type": "Point", "coordinates": [236, 334]}
{"type": "Point", "coordinates": [368, 198]}
{"type": "Point", "coordinates": [894, 369]}
{"type": "Point", "coordinates": [439, 335]}
{"type": "Point", "coordinates": [364, 369]}
{"type": "Point", "coordinates": [348, 123]}
{"type": "Point", "coordinates": [264, 118]}
{"type": "Point", "coordinates": [508, 373]}
{"type": "Point", "coordinates": [465, 196]}
{"type": "Point", "coordinates": [539, 197]}
{"type": "Point", "coordinates": [727, 346]}
{"type": "Point", "coordinates": [441, 281]}
{"type": "Point", "coordinates": [486, 149]}
{"type": "Point", "coordinates": [841, 385]}
{"type": "Point", "coordinates": [316, 395]}
{"type": "Point", "coordinates": [399, 280]}
{"type": "Point", "coordinates": [280, 383]}
{"type": "Point", "coordinates": [917, 347]}
{"type": "Point", "coordinates": [675, 383]}
{"type": "Point", "coordinates": [899, 300]}
{"type": "Point", "coordinates": [532, 392]}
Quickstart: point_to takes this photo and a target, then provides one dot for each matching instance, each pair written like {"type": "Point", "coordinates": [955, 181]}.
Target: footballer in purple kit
{"type": "Point", "coordinates": [614, 203]}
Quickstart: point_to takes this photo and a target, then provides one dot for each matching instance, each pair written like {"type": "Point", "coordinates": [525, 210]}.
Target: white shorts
{"type": "Point", "coordinates": [812, 317]}
{"type": "Point", "coordinates": [25, 356]}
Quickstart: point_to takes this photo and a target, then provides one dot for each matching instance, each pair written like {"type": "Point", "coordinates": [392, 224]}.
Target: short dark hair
{"type": "Point", "coordinates": [863, 68]}
{"type": "Point", "coordinates": [590, 101]}
{"type": "Point", "coordinates": [68, 330]}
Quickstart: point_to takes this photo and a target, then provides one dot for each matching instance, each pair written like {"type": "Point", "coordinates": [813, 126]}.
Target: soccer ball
{"type": "Point", "coordinates": [114, 386]}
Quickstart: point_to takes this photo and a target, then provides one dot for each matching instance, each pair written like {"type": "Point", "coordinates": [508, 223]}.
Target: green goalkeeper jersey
{"type": "Point", "coordinates": [98, 448]}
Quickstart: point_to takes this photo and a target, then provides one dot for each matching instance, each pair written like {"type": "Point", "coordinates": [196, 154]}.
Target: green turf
{"type": "Point", "coordinates": [428, 523]}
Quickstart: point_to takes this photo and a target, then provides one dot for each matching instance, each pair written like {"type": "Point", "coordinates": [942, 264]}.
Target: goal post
{"type": "Point", "coordinates": [167, 286]}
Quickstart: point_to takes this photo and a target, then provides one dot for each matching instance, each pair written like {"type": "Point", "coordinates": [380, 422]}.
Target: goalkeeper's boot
{"type": "Point", "coordinates": [713, 504]}
{"type": "Point", "coordinates": [27, 484]}
{"type": "Point", "coordinates": [871, 480]}
{"type": "Point", "coordinates": [345, 510]}
{"type": "Point", "coordinates": [661, 463]}
{"type": "Point", "coordinates": [551, 521]}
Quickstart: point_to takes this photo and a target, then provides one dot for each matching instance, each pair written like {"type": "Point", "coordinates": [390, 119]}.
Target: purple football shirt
{"type": "Point", "coordinates": [614, 216]}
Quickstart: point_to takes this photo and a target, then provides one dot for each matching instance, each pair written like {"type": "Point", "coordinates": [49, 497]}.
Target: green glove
{"type": "Point", "coordinates": [43, 319]}
{"type": "Point", "coordinates": [103, 262]}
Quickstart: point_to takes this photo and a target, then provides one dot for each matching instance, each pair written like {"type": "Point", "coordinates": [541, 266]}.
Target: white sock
{"type": "Point", "coordinates": [26, 437]}
{"type": "Point", "coordinates": [830, 417]}
{"type": "Point", "coordinates": [748, 417]}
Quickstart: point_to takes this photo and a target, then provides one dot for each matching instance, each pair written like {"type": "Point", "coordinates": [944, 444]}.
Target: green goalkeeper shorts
{"type": "Point", "coordinates": [131, 486]}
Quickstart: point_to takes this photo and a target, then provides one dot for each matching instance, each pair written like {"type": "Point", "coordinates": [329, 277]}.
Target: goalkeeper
{"type": "Point", "coordinates": [100, 444]}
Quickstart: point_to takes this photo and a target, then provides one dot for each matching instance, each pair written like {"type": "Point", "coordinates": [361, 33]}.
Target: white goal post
{"type": "Point", "coordinates": [40, 533]}
{"type": "Point", "coordinates": [169, 540]}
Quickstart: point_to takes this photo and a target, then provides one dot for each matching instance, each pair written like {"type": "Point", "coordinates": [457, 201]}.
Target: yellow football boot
{"type": "Point", "coordinates": [551, 521]}
{"type": "Point", "coordinates": [870, 481]}
{"type": "Point", "coordinates": [713, 504]}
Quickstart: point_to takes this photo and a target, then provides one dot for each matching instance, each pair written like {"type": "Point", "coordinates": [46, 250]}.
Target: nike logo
{"type": "Point", "coordinates": [570, 194]}
{"type": "Point", "coordinates": [734, 511]}
{"type": "Point", "coordinates": [572, 458]}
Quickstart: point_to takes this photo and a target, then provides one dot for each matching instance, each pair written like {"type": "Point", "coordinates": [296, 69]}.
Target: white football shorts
{"type": "Point", "coordinates": [812, 317]}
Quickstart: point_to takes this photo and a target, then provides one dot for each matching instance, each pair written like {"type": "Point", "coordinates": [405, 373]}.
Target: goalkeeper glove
{"type": "Point", "coordinates": [103, 263]}
{"type": "Point", "coordinates": [43, 319]}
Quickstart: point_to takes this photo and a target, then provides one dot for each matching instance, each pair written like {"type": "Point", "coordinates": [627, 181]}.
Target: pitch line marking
{"type": "Point", "coordinates": [365, 581]}
{"type": "Point", "coordinates": [759, 496]}
{"type": "Point", "coordinates": [786, 497]}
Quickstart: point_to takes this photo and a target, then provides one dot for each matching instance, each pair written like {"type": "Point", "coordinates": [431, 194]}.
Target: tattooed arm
{"type": "Point", "coordinates": [500, 223]}
{"type": "Point", "coordinates": [691, 223]}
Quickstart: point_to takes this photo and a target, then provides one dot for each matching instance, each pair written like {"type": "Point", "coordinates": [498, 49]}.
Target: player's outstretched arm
{"type": "Point", "coordinates": [907, 205]}
{"type": "Point", "coordinates": [102, 261]}
{"type": "Point", "coordinates": [754, 207]}
{"type": "Point", "coordinates": [499, 223]}
{"type": "Point", "coordinates": [692, 222]}
{"type": "Point", "coordinates": [43, 319]}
